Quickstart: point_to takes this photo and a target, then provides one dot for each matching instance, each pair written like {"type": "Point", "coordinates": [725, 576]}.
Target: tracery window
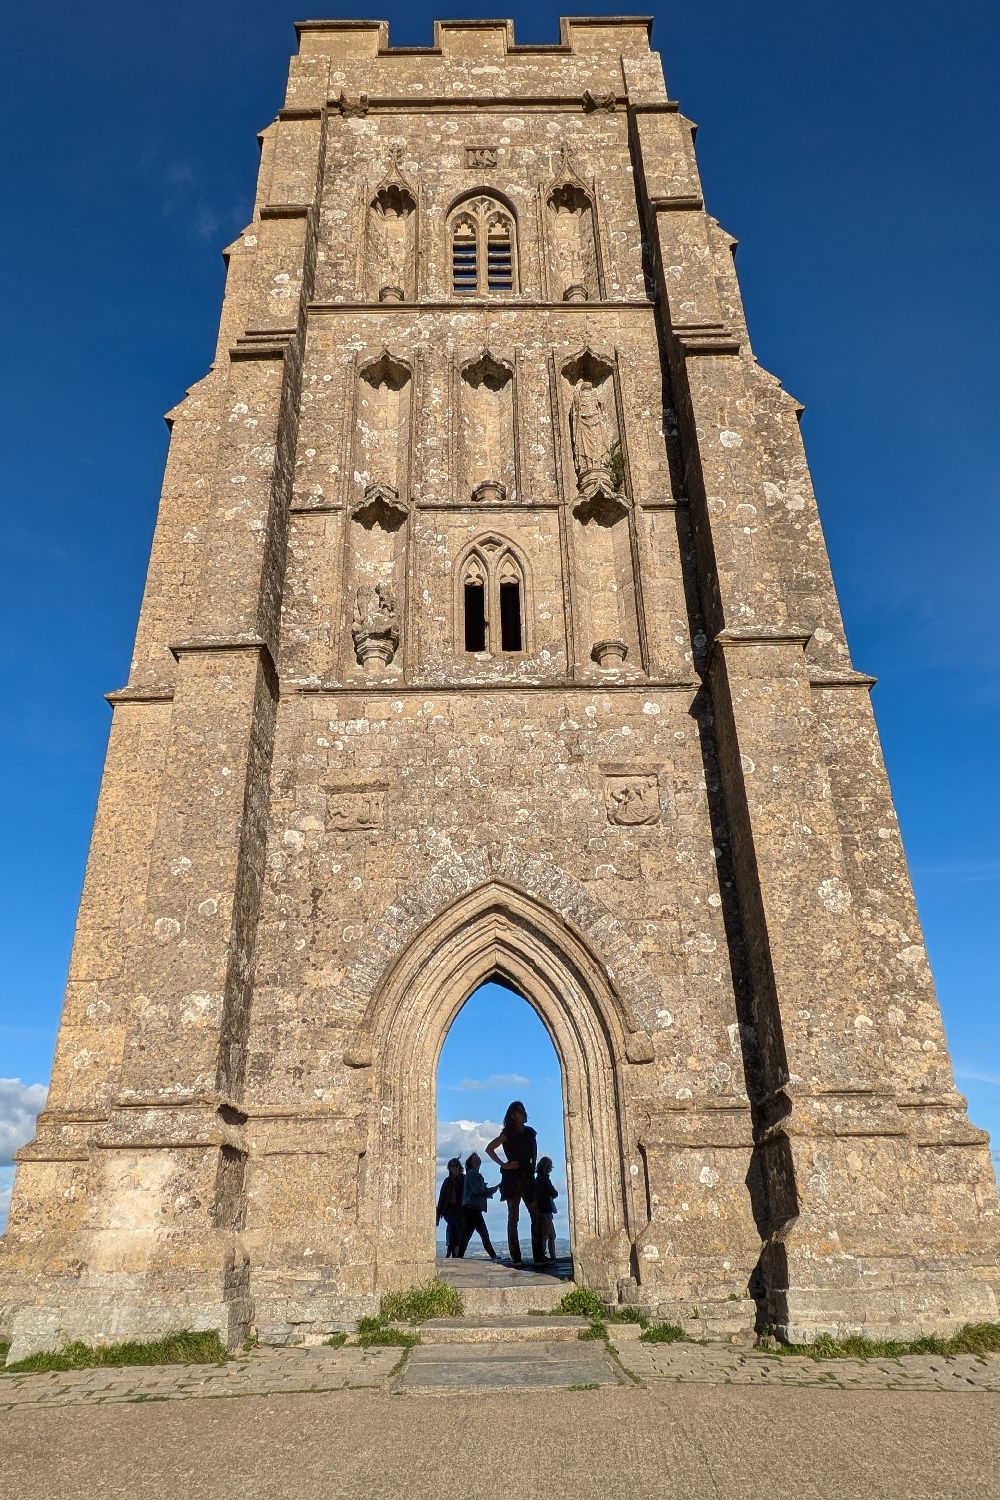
{"type": "Point", "coordinates": [492, 599]}
{"type": "Point", "coordinates": [483, 248]}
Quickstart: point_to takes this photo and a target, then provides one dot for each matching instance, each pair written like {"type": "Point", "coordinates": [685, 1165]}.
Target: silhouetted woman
{"type": "Point", "coordinates": [517, 1176]}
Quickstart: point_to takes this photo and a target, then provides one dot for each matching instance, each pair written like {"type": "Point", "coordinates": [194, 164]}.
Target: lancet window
{"type": "Point", "coordinates": [492, 600]}
{"type": "Point", "coordinates": [483, 248]}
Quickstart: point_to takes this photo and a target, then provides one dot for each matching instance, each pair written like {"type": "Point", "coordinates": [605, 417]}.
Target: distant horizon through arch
{"type": "Point", "coordinates": [497, 1049]}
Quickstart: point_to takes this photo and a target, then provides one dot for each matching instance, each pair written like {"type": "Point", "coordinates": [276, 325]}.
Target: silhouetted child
{"type": "Point", "coordinates": [474, 1200]}
{"type": "Point", "coordinates": [449, 1207]}
{"type": "Point", "coordinates": [545, 1205]}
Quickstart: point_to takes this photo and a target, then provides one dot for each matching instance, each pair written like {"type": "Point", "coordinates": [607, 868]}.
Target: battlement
{"type": "Point", "coordinates": [580, 35]}
{"type": "Point", "coordinates": [477, 62]}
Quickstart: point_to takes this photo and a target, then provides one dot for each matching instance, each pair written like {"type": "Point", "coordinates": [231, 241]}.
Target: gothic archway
{"type": "Point", "coordinates": [497, 930]}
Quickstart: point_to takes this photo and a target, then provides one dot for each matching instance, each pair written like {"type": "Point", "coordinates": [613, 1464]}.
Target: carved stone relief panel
{"type": "Point", "coordinates": [486, 445]}
{"type": "Point", "coordinates": [481, 156]}
{"type": "Point", "coordinates": [354, 809]}
{"type": "Point", "coordinates": [631, 801]}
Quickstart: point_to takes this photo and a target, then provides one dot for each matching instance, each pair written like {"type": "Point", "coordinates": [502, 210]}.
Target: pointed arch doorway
{"type": "Point", "coordinates": [497, 930]}
{"type": "Point", "coordinates": [498, 1049]}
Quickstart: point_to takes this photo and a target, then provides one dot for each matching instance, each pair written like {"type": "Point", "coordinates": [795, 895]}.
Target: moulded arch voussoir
{"type": "Point", "coordinates": [537, 911]}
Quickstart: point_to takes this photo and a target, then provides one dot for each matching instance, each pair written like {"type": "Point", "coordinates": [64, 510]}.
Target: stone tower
{"type": "Point", "coordinates": [489, 630]}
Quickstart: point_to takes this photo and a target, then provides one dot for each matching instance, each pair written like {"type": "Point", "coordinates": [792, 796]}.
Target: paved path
{"type": "Point", "coordinates": [615, 1443]}
{"type": "Point", "coordinates": [483, 1367]}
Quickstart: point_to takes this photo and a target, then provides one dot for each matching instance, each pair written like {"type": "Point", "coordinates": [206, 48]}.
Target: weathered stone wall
{"type": "Point", "coordinates": [327, 814]}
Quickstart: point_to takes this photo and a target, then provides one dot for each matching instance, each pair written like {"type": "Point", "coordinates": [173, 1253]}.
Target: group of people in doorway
{"type": "Point", "coordinates": [523, 1179]}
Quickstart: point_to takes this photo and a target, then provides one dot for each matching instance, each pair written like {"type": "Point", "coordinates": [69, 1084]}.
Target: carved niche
{"type": "Point", "coordinates": [572, 236]}
{"type": "Point", "coordinates": [487, 429]}
{"type": "Point", "coordinates": [605, 611]}
{"type": "Point", "coordinates": [391, 236]}
{"type": "Point", "coordinates": [383, 423]}
{"type": "Point", "coordinates": [595, 441]}
{"type": "Point", "coordinates": [375, 571]}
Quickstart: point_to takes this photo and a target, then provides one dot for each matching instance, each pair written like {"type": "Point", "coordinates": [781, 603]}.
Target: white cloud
{"type": "Point", "coordinates": [19, 1104]}
{"type": "Point", "coordinates": [6, 1184]}
{"type": "Point", "coordinates": [459, 1137]}
{"type": "Point", "coordinates": [973, 1075]}
{"type": "Point", "coordinates": [495, 1081]}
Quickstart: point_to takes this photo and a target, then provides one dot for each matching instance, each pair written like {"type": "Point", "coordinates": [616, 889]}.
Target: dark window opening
{"type": "Point", "coordinates": [464, 258]}
{"type": "Point", "coordinates": [510, 617]}
{"type": "Point", "coordinates": [499, 263]}
{"type": "Point", "coordinates": [475, 617]}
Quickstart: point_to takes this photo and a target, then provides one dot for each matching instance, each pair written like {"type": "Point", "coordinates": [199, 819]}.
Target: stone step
{"type": "Point", "coordinates": [518, 1298]}
{"type": "Point", "coordinates": [500, 1330]}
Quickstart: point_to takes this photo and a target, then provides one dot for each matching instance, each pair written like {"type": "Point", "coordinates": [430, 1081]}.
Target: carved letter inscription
{"type": "Point", "coordinates": [351, 811]}
{"type": "Point", "coordinates": [632, 800]}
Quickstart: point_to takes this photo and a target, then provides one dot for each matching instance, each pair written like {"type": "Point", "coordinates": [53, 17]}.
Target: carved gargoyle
{"type": "Point", "coordinates": [349, 107]}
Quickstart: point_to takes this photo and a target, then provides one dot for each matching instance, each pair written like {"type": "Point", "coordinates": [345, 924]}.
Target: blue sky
{"type": "Point", "coordinates": [496, 1051]}
{"type": "Point", "coordinates": [852, 150]}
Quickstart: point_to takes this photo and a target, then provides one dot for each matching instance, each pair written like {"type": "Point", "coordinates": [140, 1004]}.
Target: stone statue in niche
{"type": "Point", "coordinates": [588, 426]}
{"type": "Point", "coordinates": [376, 625]}
{"type": "Point", "coordinates": [632, 800]}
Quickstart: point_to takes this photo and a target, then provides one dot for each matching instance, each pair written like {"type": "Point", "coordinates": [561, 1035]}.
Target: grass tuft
{"type": "Point", "coordinates": [432, 1299]}
{"type": "Point", "coordinates": [626, 1315]}
{"type": "Point", "coordinates": [375, 1333]}
{"type": "Point", "coordinates": [596, 1330]}
{"type": "Point", "coordinates": [973, 1338]}
{"type": "Point", "coordinates": [336, 1341]}
{"type": "Point", "coordinates": [661, 1333]}
{"type": "Point", "coordinates": [579, 1303]}
{"type": "Point", "coordinates": [4, 1351]}
{"type": "Point", "coordinates": [187, 1348]}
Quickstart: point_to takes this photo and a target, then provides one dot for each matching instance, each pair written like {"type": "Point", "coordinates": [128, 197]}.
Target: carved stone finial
{"type": "Point", "coordinates": [376, 628]}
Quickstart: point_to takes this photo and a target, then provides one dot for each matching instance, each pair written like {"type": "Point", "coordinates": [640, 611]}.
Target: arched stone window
{"type": "Point", "coordinates": [492, 600]}
{"type": "Point", "coordinates": [483, 248]}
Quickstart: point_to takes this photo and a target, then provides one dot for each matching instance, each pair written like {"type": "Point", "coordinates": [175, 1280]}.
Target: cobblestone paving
{"type": "Point", "coordinates": [458, 1367]}
{"type": "Point", "coordinates": [723, 1365]}
{"type": "Point", "coordinates": [262, 1373]}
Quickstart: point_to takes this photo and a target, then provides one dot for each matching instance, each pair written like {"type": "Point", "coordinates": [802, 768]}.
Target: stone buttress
{"type": "Point", "coordinates": [489, 630]}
